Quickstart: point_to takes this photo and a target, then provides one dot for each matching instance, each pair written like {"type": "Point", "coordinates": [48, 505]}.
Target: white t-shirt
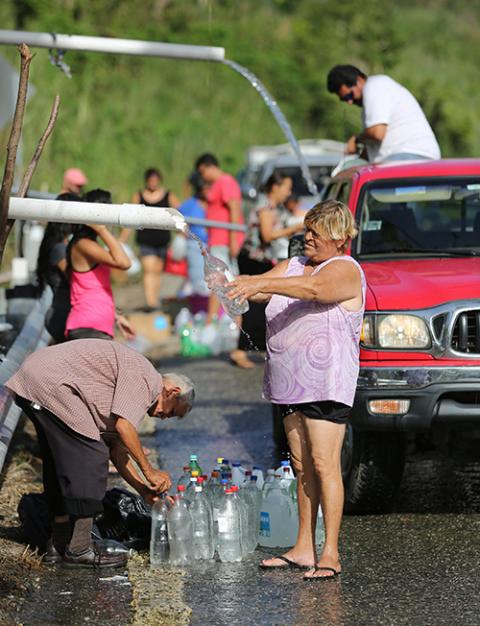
{"type": "Point", "coordinates": [387, 102]}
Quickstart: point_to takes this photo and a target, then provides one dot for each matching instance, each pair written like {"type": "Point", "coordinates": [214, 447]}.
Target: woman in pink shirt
{"type": "Point", "coordinates": [92, 312]}
{"type": "Point", "coordinates": [314, 319]}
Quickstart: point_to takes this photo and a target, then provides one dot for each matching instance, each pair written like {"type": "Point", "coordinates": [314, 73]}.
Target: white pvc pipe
{"type": "Point", "coordinates": [112, 45]}
{"type": "Point", "coordinates": [127, 215]}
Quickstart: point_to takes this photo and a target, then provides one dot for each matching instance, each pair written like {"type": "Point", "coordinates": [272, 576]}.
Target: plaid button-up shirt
{"type": "Point", "coordinates": [88, 382]}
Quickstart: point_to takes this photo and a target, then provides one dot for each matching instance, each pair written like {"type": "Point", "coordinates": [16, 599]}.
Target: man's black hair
{"type": "Point", "coordinates": [206, 159]}
{"type": "Point", "coordinates": [343, 75]}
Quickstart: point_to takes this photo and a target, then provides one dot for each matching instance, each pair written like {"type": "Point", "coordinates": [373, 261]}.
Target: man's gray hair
{"type": "Point", "coordinates": [187, 388]}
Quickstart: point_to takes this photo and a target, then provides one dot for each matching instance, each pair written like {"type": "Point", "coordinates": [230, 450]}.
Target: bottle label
{"type": "Point", "coordinates": [265, 524]}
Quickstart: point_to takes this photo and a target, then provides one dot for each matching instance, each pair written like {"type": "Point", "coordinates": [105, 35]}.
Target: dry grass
{"type": "Point", "coordinates": [19, 564]}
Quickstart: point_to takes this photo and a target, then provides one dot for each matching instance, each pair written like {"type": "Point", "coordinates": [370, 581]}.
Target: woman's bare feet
{"type": "Point", "coordinates": [326, 567]}
{"type": "Point", "coordinates": [296, 558]}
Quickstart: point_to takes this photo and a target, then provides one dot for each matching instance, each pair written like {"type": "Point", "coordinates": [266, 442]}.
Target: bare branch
{"type": "Point", "coordinates": [15, 133]}
{"type": "Point", "coordinates": [27, 177]}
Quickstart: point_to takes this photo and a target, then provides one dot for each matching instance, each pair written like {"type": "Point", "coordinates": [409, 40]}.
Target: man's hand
{"type": "Point", "coordinates": [351, 145]}
{"type": "Point", "coordinates": [159, 481]}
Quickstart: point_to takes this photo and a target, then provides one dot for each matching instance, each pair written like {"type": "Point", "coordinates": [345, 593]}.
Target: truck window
{"type": "Point", "coordinates": [344, 193]}
{"type": "Point", "coordinates": [422, 216]}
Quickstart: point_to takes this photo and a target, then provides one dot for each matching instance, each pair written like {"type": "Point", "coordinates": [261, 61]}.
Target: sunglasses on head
{"type": "Point", "coordinates": [348, 97]}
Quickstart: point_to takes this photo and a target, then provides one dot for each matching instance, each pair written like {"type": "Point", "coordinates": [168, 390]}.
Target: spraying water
{"type": "Point", "coordinates": [281, 119]}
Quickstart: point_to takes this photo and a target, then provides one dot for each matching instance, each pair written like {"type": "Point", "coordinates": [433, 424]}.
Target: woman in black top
{"type": "Point", "coordinates": [152, 243]}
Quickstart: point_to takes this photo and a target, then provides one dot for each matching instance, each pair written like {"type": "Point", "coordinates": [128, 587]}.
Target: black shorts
{"type": "Point", "coordinates": [328, 410]}
{"type": "Point", "coordinates": [158, 251]}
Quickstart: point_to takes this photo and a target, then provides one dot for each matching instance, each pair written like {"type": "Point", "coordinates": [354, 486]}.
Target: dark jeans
{"type": "Point", "coordinates": [75, 468]}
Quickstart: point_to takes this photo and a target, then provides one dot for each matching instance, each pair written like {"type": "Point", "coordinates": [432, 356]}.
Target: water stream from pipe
{"type": "Point", "coordinates": [279, 117]}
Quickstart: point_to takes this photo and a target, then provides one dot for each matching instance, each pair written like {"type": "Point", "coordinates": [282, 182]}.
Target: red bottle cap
{"type": "Point", "coordinates": [234, 488]}
{"type": "Point", "coordinates": [181, 488]}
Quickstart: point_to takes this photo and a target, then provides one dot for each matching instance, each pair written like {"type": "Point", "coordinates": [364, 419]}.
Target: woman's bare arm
{"type": "Point", "coordinates": [337, 282]}
{"type": "Point", "coordinates": [115, 256]}
{"type": "Point", "coordinates": [277, 271]}
{"type": "Point", "coordinates": [268, 233]}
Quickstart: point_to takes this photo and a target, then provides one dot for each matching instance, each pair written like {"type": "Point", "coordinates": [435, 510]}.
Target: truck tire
{"type": "Point", "coordinates": [372, 468]}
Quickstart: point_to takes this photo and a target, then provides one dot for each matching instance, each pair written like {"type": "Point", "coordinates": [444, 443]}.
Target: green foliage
{"type": "Point", "coordinates": [122, 114]}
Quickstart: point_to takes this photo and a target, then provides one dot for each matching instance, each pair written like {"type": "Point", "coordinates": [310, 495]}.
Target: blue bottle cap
{"type": "Point", "coordinates": [236, 464]}
{"type": "Point", "coordinates": [224, 475]}
{"type": "Point", "coordinates": [285, 463]}
{"type": "Point", "coordinates": [254, 478]}
{"type": "Point", "coordinates": [224, 481]}
{"type": "Point", "coordinates": [256, 467]}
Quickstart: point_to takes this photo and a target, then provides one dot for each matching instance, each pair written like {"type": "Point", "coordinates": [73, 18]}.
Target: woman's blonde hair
{"type": "Point", "coordinates": [332, 220]}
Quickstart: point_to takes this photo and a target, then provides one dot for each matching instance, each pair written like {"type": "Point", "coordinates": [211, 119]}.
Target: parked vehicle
{"type": "Point", "coordinates": [322, 156]}
{"type": "Point", "coordinates": [419, 246]}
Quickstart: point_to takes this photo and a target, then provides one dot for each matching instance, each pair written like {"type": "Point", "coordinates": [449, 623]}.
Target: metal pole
{"type": "Point", "coordinates": [127, 215]}
{"type": "Point", "coordinates": [112, 45]}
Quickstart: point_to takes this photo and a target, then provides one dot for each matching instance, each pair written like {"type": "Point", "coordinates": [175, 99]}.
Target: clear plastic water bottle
{"type": "Point", "coordinates": [202, 520]}
{"type": "Point", "coordinates": [179, 524]}
{"type": "Point", "coordinates": [258, 472]}
{"type": "Point", "coordinates": [287, 477]}
{"type": "Point", "coordinates": [218, 465]}
{"type": "Point", "coordinates": [218, 276]}
{"type": "Point", "coordinates": [257, 499]}
{"type": "Point", "coordinates": [238, 473]}
{"type": "Point", "coordinates": [185, 477]}
{"type": "Point", "coordinates": [250, 537]}
{"type": "Point", "coordinates": [190, 489]}
{"type": "Point", "coordinates": [229, 528]}
{"type": "Point", "coordinates": [268, 481]}
{"type": "Point", "coordinates": [245, 539]}
{"type": "Point", "coordinates": [159, 545]}
{"type": "Point", "coordinates": [194, 466]}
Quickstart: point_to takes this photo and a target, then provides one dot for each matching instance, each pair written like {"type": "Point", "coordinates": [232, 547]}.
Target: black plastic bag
{"type": "Point", "coordinates": [126, 518]}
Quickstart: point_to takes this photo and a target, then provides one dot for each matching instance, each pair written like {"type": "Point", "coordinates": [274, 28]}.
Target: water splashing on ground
{"type": "Point", "coordinates": [281, 119]}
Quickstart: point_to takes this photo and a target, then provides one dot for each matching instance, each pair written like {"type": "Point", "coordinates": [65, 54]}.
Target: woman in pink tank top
{"type": "Point", "coordinates": [92, 312]}
{"type": "Point", "coordinates": [314, 319]}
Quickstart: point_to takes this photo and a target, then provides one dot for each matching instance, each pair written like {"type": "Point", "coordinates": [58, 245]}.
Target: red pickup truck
{"type": "Point", "coordinates": [419, 246]}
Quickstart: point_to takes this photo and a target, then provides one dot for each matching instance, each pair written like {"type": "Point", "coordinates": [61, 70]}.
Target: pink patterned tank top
{"type": "Point", "coordinates": [312, 348]}
{"type": "Point", "coordinates": [92, 300]}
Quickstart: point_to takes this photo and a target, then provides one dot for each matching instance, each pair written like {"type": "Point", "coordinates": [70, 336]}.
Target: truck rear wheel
{"type": "Point", "coordinates": [372, 468]}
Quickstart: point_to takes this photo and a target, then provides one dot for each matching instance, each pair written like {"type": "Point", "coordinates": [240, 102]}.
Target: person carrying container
{"type": "Point", "coordinates": [394, 126]}
{"type": "Point", "coordinates": [86, 399]}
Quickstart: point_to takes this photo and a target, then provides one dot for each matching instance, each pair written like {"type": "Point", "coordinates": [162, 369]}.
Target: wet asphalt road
{"type": "Point", "coordinates": [420, 565]}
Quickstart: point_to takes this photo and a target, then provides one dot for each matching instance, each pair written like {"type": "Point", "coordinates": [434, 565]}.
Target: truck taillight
{"type": "Point", "coordinates": [389, 406]}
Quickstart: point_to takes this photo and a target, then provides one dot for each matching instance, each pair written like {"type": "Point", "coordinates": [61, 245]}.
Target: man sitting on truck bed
{"type": "Point", "coordinates": [394, 126]}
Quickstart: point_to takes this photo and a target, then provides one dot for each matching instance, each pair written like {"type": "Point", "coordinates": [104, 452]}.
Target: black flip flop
{"type": "Point", "coordinates": [289, 564]}
{"type": "Point", "coordinates": [335, 573]}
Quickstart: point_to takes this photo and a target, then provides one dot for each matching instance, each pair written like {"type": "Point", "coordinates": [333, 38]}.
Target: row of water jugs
{"type": "Point", "coordinates": [228, 513]}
